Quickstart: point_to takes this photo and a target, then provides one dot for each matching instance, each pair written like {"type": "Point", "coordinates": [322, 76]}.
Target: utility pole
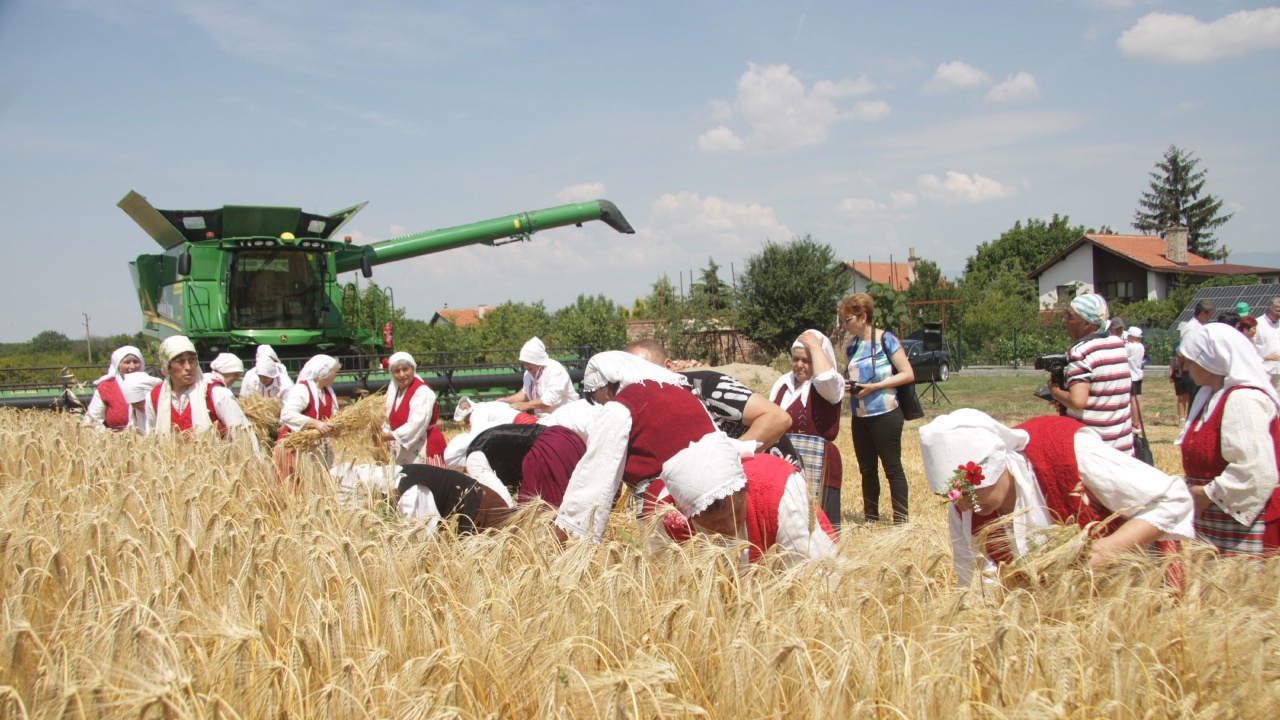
{"type": "Point", "coordinates": [88, 346]}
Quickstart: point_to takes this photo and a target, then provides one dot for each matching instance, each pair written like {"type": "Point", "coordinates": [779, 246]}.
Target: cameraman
{"type": "Point", "coordinates": [1097, 375]}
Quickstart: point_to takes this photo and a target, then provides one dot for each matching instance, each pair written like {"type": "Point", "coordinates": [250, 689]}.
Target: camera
{"type": "Point", "coordinates": [1056, 365]}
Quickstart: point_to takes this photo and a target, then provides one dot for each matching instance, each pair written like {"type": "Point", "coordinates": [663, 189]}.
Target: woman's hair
{"type": "Point", "coordinates": [1246, 322]}
{"type": "Point", "coordinates": [860, 303]}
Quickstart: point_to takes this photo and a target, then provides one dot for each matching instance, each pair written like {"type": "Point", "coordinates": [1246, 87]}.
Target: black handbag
{"type": "Point", "coordinates": [908, 399]}
{"type": "Point", "coordinates": [1141, 446]}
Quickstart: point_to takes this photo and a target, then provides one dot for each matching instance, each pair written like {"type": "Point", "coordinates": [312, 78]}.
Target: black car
{"type": "Point", "coordinates": [927, 364]}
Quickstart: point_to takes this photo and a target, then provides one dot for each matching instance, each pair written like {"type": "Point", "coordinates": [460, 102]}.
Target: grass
{"type": "Point", "coordinates": [147, 577]}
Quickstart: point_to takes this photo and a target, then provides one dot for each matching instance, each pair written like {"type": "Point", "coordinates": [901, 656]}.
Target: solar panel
{"type": "Point", "coordinates": [1225, 298]}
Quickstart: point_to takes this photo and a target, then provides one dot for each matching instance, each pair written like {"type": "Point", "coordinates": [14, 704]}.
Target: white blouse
{"type": "Point", "coordinates": [411, 437]}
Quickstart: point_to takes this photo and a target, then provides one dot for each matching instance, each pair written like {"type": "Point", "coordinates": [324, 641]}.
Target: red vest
{"type": "Point", "coordinates": [327, 401]}
{"type": "Point", "coordinates": [767, 477]}
{"type": "Point", "coordinates": [1202, 452]}
{"type": "Point", "coordinates": [182, 420]}
{"type": "Point", "coordinates": [118, 411]}
{"type": "Point", "coordinates": [436, 442]}
{"type": "Point", "coordinates": [665, 419]}
{"type": "Point", "coordinates": [1052, 455]}
{"type": "Point", "coordinates": [818, 418]}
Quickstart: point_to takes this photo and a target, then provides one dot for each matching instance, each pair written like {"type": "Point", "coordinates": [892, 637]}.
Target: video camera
{"type": "Point", "coordinates": [1056, 365]}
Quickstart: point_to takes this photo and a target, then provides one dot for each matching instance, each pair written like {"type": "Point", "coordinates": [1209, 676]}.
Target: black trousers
{"type": "Point", "coordinates": [878, 440]}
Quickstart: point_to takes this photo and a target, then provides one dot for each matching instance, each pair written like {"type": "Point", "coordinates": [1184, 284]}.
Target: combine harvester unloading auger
{"type": "Point", "coordinates": [239, 276]}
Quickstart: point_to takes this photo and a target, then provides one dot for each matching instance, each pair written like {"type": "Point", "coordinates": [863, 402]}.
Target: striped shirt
{"type": "Point", "coordinates": [1100, 360]}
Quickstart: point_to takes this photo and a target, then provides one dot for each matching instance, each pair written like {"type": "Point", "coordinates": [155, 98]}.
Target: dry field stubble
{"type": "Point", "coordinates": [147, 578]}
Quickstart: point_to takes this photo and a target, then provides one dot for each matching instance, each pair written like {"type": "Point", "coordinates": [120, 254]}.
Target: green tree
{"type": "Point", "coordinates": [50, 342]}
{"type": "Point", "coordinates": [594, 321]}
{"type": "Point", "coordinates": [929, 284]}
{"type": "Point", "coordinates": [1177, 198]}
{"type": "Point", "coordinates": [1031, 245]}
{"type": "Point", "coordinates": [787, 288]}
{"type": "Point", "coordinates": [710, 290]}
{"type": "Point", "coordinates": [891, 307]}
{"type": "Point", "coordinates": [510, 325]}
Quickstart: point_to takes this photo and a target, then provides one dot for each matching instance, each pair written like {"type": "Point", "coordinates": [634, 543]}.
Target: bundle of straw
{"type": "Point", "coordinates": [358, 423]}
{"type": "Point", "coordinates": [264, 414]}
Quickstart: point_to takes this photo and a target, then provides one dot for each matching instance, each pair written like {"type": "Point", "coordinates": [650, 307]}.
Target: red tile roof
{"type": "Point", "coordinates": [462, 317]}
{"type": "Point", "coordinates": [896, 274]}
{"type": "Point", "coordinates": [1146, 250]}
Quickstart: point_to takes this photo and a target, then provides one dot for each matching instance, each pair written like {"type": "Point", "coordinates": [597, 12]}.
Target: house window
{"type": "Point", "coordinates": [1066, 293]}
{"type": "Point", "coordinates": [1118, 290]}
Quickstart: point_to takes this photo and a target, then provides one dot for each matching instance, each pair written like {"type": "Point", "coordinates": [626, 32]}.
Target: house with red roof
{"type": "Point", "coordinates": [898, 275]}
{"type": "Point", "coordinates": [461, 317]}
{"type": "Point", "coordinates": [1130, 267]}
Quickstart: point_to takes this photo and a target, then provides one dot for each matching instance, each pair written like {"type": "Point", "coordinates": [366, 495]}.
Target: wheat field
{"type": "Point", "coordinates": [150, 577]}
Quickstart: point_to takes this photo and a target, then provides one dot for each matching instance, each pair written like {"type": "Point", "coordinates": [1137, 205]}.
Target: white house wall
{"type": "Point", "coordinates": [1156, 285]}
{"type": "Point", "coordinates": [1074, 268]}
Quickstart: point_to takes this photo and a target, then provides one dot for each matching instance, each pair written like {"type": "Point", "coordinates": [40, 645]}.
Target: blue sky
{"type": "Point", "coordinates": [875, 127]}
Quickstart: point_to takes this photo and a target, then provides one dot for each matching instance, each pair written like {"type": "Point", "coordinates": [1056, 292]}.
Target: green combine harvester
{"type": "Point", "coordinates": [239, 276]}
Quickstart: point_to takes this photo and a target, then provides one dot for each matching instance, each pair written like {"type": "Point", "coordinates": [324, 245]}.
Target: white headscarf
{"type": "Point", "coordinates": [706, 471]}
{"type": "Point", "coordinates": [135, 386]}
{"type": "Point", "coordinates": [393, 392]}
{"type": "Point", "coordinates": [616, 366]}
{"type": "Point", "coordinates": [463, 410]}
{"type": "Point", "coordinates": [1223, 350]}
{"type": "Point", "coordinates": [118, 357]}
{"type": "Point", "coordinates": [317, 367]}
{"type": "Point", "coordinates": [171, 348]}
{"type": "Point", "coordinates": [534, 352]}
{"type": "Point", "coordinates": [266, 364]}
{"type": "Point", "coordinates": [827, 350]}
{"type": "Point", "coordinates": [227, 363]}
{"type": "Point", "coordinates": [965, 436]}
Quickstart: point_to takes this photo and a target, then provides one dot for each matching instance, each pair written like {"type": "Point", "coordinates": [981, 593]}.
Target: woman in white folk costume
{"type": "Point", "coordinates": [268, 376]}
{"type": "Point", "coordinates": [720, 487]}
{"type": "Point", "coordinates": [649, 415]}
{"type": "Point", "coordinates": [226, 369]}
{"type": "Point", "coordinates": [547, 384]}
{"type": "Point", "coordinates": [187, 401]}
{"type": "Point", "coordinates": [412, 414]}
{"type": "Point", "coordinates": [108, 408]}
{"type": "Point", "coordinates": [308, 406]}
{"type": "Point", "coordinates": [1231, 443]}
{"type": "Point", "coordinates": [1048, 471]}
{"type": "Point", "coordinates": [134, 387]}
{"type": "Point", "coordinates": [811, 394]}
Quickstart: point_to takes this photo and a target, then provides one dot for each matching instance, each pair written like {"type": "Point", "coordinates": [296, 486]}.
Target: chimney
{"type": "Point", "coordinates": [1175, 240]}
{"type": "Point", "coordinates": [912, 259]}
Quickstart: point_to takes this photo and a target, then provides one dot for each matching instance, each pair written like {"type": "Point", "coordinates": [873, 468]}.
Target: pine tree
{"type": "Point", "coordinates": [1176, 200]}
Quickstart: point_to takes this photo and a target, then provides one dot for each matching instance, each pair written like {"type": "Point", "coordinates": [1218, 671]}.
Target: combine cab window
{"type": "Point", "coordinates": [275, 289]}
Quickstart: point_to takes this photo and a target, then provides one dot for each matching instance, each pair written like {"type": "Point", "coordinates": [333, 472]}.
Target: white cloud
{"type": "Point", "coordinates": [1172, 38]}
{"type": "Point", "coordinates": [859, 206]}
{"type": "Point", "coordinates": [719, 111]}
{"type": "Point", "coordinates": [870, 110]}
{"type": "Point", "coordinates": [719, 139]}
{"type": "Point", "coordinates": [783, 114]}
{"type": "Point", "coordinates": [955, 75]}
{"type": "Point", "coordinates": [1015, 88]}
{"type": "Point", "coordinates": [960, 188]}
{"type": "Point", "coordinates": [902, 199]}
{"type": "Point", "coordinates": [729, 225]}
{"type": "Point", "coordinates": [582, 192]}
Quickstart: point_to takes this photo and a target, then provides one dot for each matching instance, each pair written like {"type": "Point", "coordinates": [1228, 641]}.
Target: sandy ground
{"type": "Point", "coordinates": [759, 378]}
